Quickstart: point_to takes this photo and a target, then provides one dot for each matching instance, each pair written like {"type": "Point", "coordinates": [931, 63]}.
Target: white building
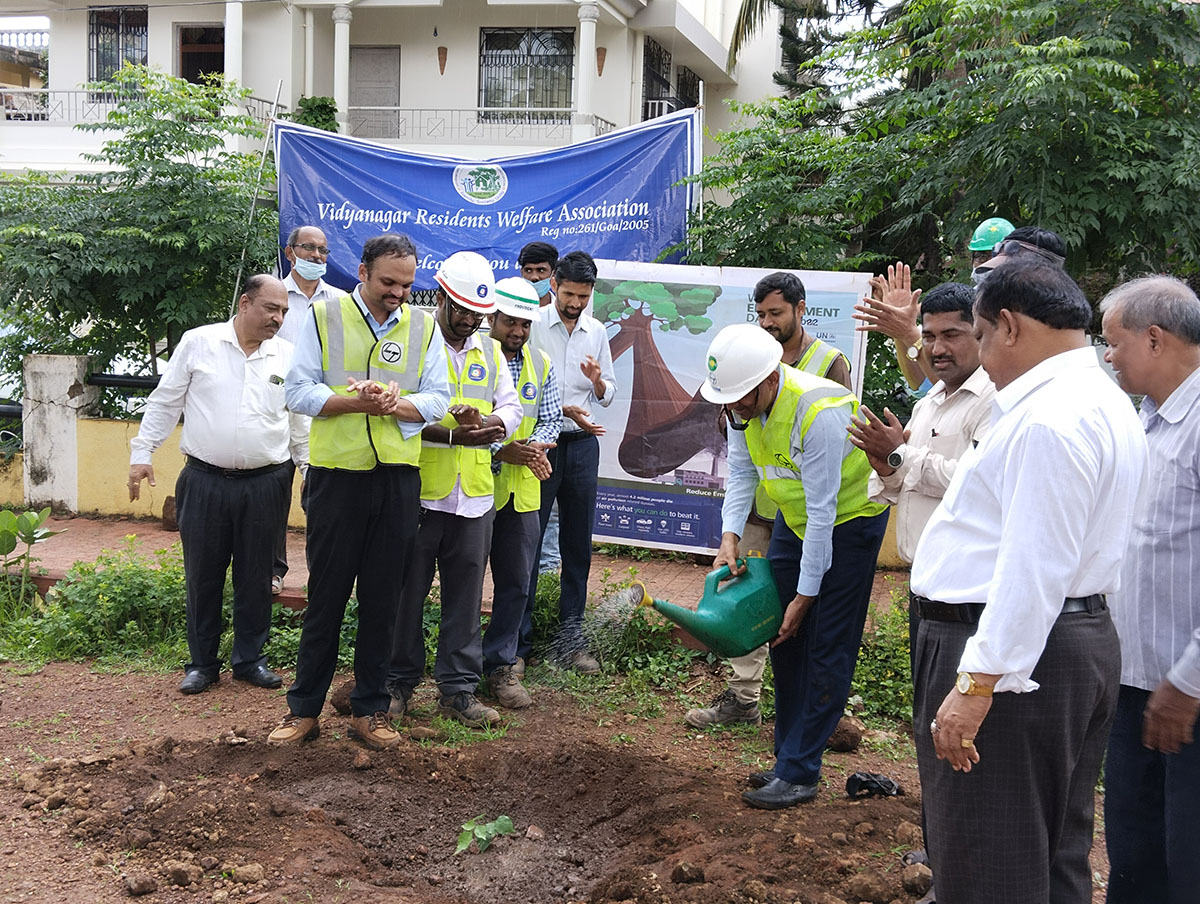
{"type": "Point", "coordinates": [477, 78]}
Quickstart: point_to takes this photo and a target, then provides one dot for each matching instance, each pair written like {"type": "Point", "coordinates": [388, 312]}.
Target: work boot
{"type": "Point", "coordinates": [506, 687]}
{"type": "Point", "coordinates": [725, 710]}
{"type": "Point", "coordinates": [294, 729]}
{"type": "Point", "coordinates": [583, 662]}
{"type": "Point", "coordinates": [374, 731]}
{"type": "Point", "coordinates": [519, 667]}
{"type": "Point", "coordinates": [398, 708]}
{"type": "Point", "coordinates": [466, 709]}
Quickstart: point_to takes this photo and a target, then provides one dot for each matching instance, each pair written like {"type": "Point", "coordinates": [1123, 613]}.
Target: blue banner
{"type": "Point", "coordinates": [617, 196]}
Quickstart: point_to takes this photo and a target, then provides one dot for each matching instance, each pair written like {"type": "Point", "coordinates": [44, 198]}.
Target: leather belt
{"type": "Point", "coordinates": [232, 473]}
{"type": "Point", "coordinates": [969, 613]}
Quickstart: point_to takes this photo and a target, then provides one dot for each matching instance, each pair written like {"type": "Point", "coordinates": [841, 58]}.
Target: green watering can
{"type": "Point", "coordinates": [734, 619]}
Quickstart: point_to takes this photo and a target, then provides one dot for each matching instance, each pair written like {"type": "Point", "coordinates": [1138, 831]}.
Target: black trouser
{"type": "Point", "coordinates": [361, 525]}
{"type": "Point", "coordinates": [280, 566]}
{"type": "Point", "coordinates": [222, 519]}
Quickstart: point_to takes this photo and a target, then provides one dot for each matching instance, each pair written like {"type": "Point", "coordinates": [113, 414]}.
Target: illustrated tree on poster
{"type": "Point", "coordinates": [667, 424]}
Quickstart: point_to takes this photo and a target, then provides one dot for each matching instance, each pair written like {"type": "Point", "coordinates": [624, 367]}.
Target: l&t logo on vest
{"type": "Point", "coordinates": [528, 391]}
{"type": "Point", "coordinates": [390, 352]}
{"type": "Point", "coordinates": [475, 373]}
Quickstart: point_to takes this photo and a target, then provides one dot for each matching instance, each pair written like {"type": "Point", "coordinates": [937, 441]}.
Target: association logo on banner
{"type": "Point", "coordinates": [480, 183]}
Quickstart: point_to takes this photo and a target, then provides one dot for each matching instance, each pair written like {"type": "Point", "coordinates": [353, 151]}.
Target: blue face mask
{"type": "Point", "coordinates": [542, 287]}
{"type": "Point", "coordinates": [308, 269]}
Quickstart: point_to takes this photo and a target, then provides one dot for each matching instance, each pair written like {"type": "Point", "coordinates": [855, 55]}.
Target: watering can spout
{"type": "Point", "coordinates": [734, 619]}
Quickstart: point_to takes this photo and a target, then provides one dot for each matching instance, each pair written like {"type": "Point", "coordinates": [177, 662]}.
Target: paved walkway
{"type": "Point", "coordinates": [678, 580]}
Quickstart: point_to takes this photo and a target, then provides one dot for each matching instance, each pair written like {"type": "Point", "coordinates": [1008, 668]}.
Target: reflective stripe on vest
{"type": "Point", "coordinates": [442, 464]}
{"type": "Point", "coordinates": [350, 350]}
{"type": "Point", "coordinates": [801, 398]}
{"type": "Point", "coordinates": [816, 360]}
{"type": "Point", "coordinates": [517, 481]}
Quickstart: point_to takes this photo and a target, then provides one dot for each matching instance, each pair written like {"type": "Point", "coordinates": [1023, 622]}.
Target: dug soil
{"type": "Point", "coordinates": [117, 785]}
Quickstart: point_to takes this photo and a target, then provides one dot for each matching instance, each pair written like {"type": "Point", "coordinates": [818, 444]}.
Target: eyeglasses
{"type": "Point", "coordinates": [310, 247]}
{"type": "Point", "coordinates": [466, 313]}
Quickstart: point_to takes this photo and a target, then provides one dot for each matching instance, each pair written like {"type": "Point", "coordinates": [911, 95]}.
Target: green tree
{"type": "Point", "coordinates": [115, 261]}
{"type": "Point", "coordinates": [1080, 115]}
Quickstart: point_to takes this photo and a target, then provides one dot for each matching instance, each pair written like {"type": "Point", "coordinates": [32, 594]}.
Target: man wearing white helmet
{"type": "Point", "coordinates": [520, 464]}
{"type": "Point", "coordinates": [456, 499]}
{"type": "Point", "coordinates": [789, 432]}
{"type": "Point", "coordinates": [373, 369]}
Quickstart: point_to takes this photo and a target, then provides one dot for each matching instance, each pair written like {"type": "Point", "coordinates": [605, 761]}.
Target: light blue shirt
{"type": "Point", "coordinates": [1157, 611]}
{"type": "Point", "coordinates": [820, 457]}
{"type": "Point", "coordinates": [307, 393]}
{"type": "Point", "coordinates": [567, 351]}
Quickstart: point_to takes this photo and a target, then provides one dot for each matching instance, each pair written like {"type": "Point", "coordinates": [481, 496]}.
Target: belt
{"type": "Point", "coordinates": [569, 436]}
{"type": "Point", "coordinates": [968, 613]}
{"type": "Point", "coordinates": [232, 472]}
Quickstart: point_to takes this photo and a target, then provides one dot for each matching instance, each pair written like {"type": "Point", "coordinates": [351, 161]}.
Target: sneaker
{"type": "Point", "coordinates": [464, 707]}
{"type": "Point", "coordinates": [506, 687]}
{"type": "Point", "coordinates": [294, 729]}
{"type": "Point", "coordinates": [399, 705]}
{"type": "Point", "coordinates": [726, 709]}
{"type": "Point", "coordinates": [374, 731]}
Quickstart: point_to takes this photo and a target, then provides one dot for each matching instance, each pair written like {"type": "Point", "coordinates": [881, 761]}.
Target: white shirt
{"type": "Point", "coordinates": [1040, 511]}
{"type": "Point", "coordinates": [300, 304]}
{"type": "Point", "coordinates": [567, 351]}
{"type": "Point", "coordinates": [505, 405]}
{"type": "Point", "coordinates": [1157, 612]}
{"type": "Point", "coordinates": [941, 429]}
{"type": "Point", "coordinates": [233, 406]}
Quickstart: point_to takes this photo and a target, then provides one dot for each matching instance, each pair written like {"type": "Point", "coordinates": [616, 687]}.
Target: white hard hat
{"type": "Point", "coordinates": [517, 297]}
{"type": "Point", "coordinates": [467, 278]}
{"type": "Point", "coordinates": [740, 358]}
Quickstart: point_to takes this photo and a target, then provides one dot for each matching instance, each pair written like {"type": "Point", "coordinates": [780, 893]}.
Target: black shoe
{"type": "Point", "coordinates": [760, 779]}
{"type": "Point", "coordinates": [197, 682]}
{"type": "Point", "coordinates": [260, 676]}
{"type": "Point", "coordinates": [778, 794]}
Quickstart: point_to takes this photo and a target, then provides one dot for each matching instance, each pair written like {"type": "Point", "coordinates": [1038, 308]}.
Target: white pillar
{"type": "Point", "coordinates": [56, 392]}
{"type": "Point", "coordinates": [233, 42]}
{"type": "Point", "coordinates": [583, 124]}
{"type": "Point", "coordinates": [341, 65]}
{"type": "Point", "coordinates": [309, 51]}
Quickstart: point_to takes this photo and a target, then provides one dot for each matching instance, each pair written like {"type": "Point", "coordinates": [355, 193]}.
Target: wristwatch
{"type": "Point", "coordinates": [966, 685]}
{"type": "Point", "coordinates": [914, 351]}
{"type": "Point", "coordinates": [895, 458]}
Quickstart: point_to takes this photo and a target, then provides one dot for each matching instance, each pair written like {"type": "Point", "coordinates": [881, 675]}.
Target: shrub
{"type": "Point", "coordinates": [883, 676]}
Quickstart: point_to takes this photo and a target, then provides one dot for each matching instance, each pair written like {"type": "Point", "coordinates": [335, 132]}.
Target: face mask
{"type": "Point", "coordinates": [308, 269]}
{"type": "Point", "coordinates": [542, 287]}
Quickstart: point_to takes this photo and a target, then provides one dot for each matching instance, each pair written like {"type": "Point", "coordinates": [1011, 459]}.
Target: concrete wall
{"type": "Point", "coordinates": [102, 458]}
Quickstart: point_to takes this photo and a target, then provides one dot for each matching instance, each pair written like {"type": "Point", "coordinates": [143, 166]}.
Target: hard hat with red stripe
{"type": "Point", "coordinates": [467, 279]}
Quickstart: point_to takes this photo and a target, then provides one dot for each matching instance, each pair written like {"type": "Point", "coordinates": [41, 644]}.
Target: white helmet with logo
{"type": "Point", "coordinates": [517, 297]}
{"type": "Point", "coordinates": [467, 279]}
{"type": "Point", "coordinates": [741, 357]}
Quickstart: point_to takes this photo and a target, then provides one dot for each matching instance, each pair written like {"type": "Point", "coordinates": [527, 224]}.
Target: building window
{"type": "Point", "coordinates": [116, 35]}
{"type": "Point", "coordinates": [527, 69]}
{"type": "Point", "coordinates": [687, 87]}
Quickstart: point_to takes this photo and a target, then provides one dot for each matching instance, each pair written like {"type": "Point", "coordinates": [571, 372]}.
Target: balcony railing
{"type": "Point", "coordinates": [69, 107]}
{"type": "Point", "coordinates": [497, 125]}
{"type": "Point", "coordinates": [661, 106]}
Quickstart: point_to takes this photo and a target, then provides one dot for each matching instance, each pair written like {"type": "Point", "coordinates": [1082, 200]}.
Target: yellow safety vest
{"type": "Point", "coordinates": [441, 464]}
{"type": "Point", "coordinates": [350, 350]}
{"type": "Point", "coordinates": [517, 481]}
{"type": "Point", "coordinates": [816, 360]}
{"type": "Point", "coordinates": [801, 398]}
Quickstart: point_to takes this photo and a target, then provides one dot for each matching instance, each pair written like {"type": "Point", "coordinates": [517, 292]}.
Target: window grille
{"type": "Point", "coordinates": [656, 71]}
{"type": "Point", "coordinates": [687, 87]}
{"type": "Point", "coordinates": [522, 70]}
{"type": "Point", "coordinates": [116, 35]}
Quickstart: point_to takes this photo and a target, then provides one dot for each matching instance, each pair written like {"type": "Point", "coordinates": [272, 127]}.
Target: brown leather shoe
{"type": "Point", "coordinates": [374, 731]}
{"type": "Point", "coordinates": [294, 729]}
{"type": "Point", "coordinates": [506, 687]}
